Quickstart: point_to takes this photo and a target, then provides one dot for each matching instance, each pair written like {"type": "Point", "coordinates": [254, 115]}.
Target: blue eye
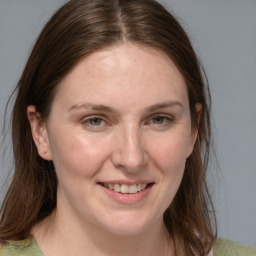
{"type": "Point", "coordinates": [160, 121]}
{"type": "Point", "coordinates": [96, 121]}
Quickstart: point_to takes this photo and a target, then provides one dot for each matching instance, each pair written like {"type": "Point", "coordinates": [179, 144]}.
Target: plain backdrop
{"type": "Point", "coordinates": [224, 35]}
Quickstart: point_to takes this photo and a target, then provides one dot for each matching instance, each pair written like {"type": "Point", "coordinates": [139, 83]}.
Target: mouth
{"type": "Point", "coordinates": [126, 188]}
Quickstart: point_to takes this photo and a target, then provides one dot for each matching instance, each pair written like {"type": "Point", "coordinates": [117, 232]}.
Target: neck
{"type": "Point", "coordinates": [56, 236]}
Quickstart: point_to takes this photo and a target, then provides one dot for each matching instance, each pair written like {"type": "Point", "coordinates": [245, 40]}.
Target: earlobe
{"type": "Point", "coordinates": [39, 133]}
{"type": "Point", "coordinates": [194, 131]}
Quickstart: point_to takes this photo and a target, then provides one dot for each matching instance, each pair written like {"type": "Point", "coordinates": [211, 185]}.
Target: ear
{"type": "Point", "coordinates": [39, 133]}
{"type": "Point", "coordinates": [194, 130]}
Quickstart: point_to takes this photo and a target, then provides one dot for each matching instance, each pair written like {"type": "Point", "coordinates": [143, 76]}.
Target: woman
{"type": "Point", "coordinates": [111, 135]}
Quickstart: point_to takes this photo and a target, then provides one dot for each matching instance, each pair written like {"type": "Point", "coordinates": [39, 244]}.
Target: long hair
{"type": "Point", "coordinates": [76, 30]}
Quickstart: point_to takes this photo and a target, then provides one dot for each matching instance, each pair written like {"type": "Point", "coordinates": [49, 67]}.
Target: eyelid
{"type": "Point", "coordinates": [88, 117]}
{"type": "Point", "coordinates": [85, 122]}
{"type": "Point", "coordinates": [169, 117]}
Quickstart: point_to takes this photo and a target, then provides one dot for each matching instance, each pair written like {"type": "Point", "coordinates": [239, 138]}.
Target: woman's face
{"type": "Point", "coordinates": [120, 121]}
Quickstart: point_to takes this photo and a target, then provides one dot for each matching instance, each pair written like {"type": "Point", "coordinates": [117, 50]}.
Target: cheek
{"type": "Point", "coordinates": [171, 153]}
{"type": "Point", "coordinates": [77, 155]}
{"type": "Point", "coordinates": [169, 157]}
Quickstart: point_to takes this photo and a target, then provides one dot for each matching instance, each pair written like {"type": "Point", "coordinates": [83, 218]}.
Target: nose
{"type": "Point", "coordinates": [129, 153]}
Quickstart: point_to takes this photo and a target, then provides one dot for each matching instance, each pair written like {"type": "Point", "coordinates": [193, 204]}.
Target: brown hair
{"type": "Point", "coordinates": [76, 30]}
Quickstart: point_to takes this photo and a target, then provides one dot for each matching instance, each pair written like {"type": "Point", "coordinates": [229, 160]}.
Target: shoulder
{"type": "Point", "coordinates": [225, 247]}
{"type": "Point", "coordinates": [27, 247]}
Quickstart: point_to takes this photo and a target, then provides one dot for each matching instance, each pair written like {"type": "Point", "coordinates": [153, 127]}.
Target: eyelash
{"type": "Point", "coordinates": [167, 121]}
{"type": "Point", "coordinates": [87, 121]}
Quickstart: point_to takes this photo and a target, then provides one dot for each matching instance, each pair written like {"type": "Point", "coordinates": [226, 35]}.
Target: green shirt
{"type": "Point", "coordinates": [29, 247]}
{"type": "Point", "coordinates": [228, 248]}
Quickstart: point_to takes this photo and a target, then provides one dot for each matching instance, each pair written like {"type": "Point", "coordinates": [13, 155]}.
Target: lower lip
{"type": "Point", "coordinates": [128, 198]}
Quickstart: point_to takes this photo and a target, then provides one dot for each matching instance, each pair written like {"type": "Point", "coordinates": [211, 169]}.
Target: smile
{"type": "Point", "coordinates": [126, 192]}
{"type": "Point", "coordinates": [126, 189]}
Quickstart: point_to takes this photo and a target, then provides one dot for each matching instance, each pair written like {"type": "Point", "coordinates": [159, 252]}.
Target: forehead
{"type": "Point", "coordinates": [125, 72]}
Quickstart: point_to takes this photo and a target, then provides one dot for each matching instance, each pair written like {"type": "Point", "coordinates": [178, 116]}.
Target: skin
{"type": "Point", "coordinates": [143, 132]}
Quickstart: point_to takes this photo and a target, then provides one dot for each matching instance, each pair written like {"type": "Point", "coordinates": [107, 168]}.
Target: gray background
{"type": "Point", "coordinates": [224, 35]}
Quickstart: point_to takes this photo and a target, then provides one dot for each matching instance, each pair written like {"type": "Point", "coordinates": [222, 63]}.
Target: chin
{"type": "Point", "coordinates": [129, 225]}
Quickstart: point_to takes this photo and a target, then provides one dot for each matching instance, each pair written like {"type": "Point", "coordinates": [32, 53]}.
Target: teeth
{"type": "Point", "coordinates": [117, 187]}
{"type": "Point", "coordinates": [126, 189]}
{"type": "Point", "coordinates": [143, 186]}
{"type": "Point", "coordinates": [133, 189]}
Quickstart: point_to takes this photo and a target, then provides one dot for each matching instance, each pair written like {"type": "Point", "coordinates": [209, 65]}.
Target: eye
{"type": "Point", "coordinates": [160, 120]}
{"type": "Point", "coordinates": [94, 122]}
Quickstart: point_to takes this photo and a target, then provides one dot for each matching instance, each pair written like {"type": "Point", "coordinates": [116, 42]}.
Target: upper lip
{"type": "Point", "coordinates": [127, 182]}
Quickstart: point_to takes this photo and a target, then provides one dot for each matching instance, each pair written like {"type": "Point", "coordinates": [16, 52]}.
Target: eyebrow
{"type": "Point", "coordinates": [92, 107]}
{"type": "Point", "coordinates": [155, 107]}
{"type": "Point", "coordinates": [164, 105]}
